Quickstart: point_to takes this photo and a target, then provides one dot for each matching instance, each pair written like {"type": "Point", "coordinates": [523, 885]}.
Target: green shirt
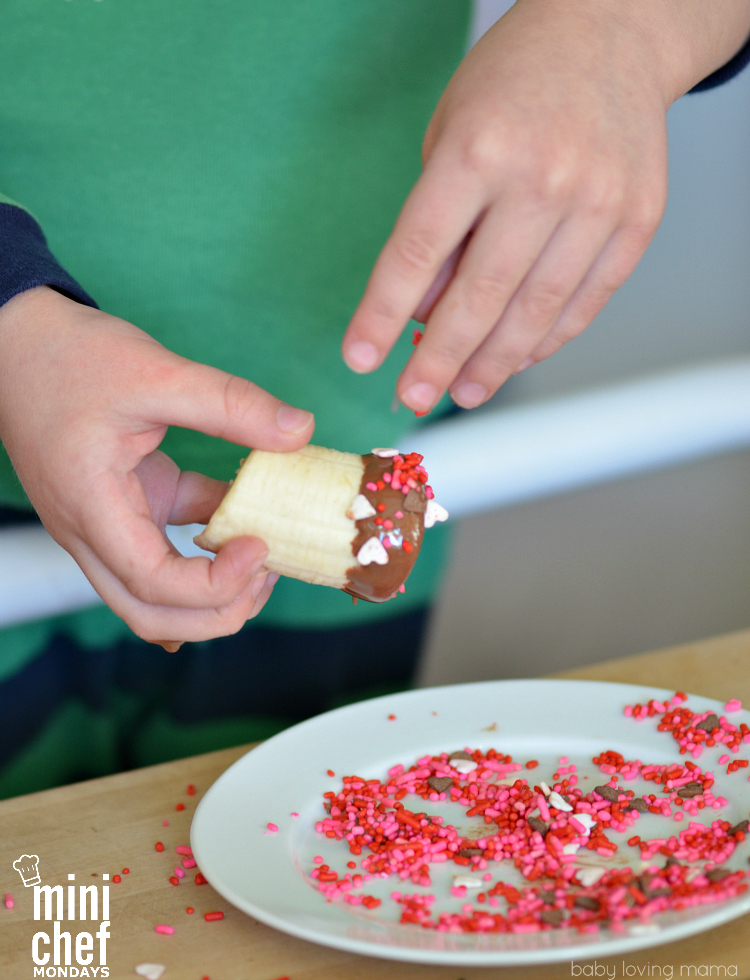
{"type": "Point", "coordinates": [223, 175]}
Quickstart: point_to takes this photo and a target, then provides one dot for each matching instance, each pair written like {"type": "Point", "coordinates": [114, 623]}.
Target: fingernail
{"type": "Point", "coordinates": [421, 396]}
{"type": "Point", "coordinates": [524, 364]}
{"type": "Point", "coordinates": [469, 394]}
{"type": "Point", "coordinates": [273, 578]}
{"type": "Point", "coordinates": [258, 582]}
{"type": "Point", "coordinates": [292, 420]}
{"type": "Point", "coordinates": [361, 356]}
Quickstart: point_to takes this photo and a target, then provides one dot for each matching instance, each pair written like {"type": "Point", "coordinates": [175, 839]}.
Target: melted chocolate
{"type": "Point", "coordinates": [377, 583]}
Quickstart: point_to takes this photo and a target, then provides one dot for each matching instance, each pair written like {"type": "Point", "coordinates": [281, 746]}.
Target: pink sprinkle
{"type": "Point", "coordinates": [386, 478]}
{"type": "Point", "coordinates": [184, 849]}
{"type": "Point", "coordinates": [398, 515]}
{"type": "Point", "coordinates": [372, 486]}
{"type": "Point", "coordinates": [318, 859]}
{"type": "Point", "coordinates": [165, 823]}
{"type": "Point", "coordinates": [723, 758]}
{"type": "Point", "coordinates": [386, 542]}
{"type": "Point", "coordinates": [733, 705]}
{"type": "Point", "coordinates": [188, 863]}
{"type": "Point", "coordinates": [402, 588]}
{"type": "Point", "coordinates": [272, 827]}
{"type": "Point", "coordinates": [164, 930]}
{"type": "Point", "coordinates": [9, 903]}
{"type": "Point", "coordinates": [293, 814]}
{"type": "Point", "coordinates": [179, 872]}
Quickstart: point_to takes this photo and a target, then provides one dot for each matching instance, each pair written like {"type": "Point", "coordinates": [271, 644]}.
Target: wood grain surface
{"type": "Point", "coordinates": [106, 825]}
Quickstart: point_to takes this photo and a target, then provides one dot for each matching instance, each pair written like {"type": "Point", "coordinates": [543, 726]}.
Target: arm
{"type": "Point", "coordinates": [545, 178]}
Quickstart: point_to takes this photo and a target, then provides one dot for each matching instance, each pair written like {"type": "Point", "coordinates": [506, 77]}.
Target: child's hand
{"type": "Point", "coordinates": [85, 400]}
{"type": "Point", "coordinates": [545, 176]}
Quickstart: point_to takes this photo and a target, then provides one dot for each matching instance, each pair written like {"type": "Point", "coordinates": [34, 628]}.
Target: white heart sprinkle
{"type": "Point", "coordinates": [372, 551]}
{"type": "Point", "coordinates": [586, 819]}
{"type": "Point", "coordinates": [360, 508]}
{"type": "Point", "coordinates": [464, 766]}
{"type": "Point", "coordinates": [545, 789]}
{"type": "Point", "coordinates": [150, 971]}
{"type": "Point", "coordinates": [571, 848]}
{"type": "Point", "coordinates": [556, 800]}
{"type": "Point", "coordinates": [590, 876]}
{"type": "Point", "coordinates": [385, 453]}
{"type": "Point", "coordinates": [466, 881]}
{"type": "Point", "coordinates": [434, 512]}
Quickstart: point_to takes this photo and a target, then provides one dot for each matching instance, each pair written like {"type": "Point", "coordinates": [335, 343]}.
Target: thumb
{"type": "Point", "coordinates": [196, 396]}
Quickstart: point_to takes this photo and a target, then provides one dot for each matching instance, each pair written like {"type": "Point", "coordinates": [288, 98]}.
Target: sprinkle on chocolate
{"type": "Point", "coordinates": [440, 783]}
{"type": "Point", "coordinates": [461, 755]}
{"type": "Point", "coordinates": [414, 503]}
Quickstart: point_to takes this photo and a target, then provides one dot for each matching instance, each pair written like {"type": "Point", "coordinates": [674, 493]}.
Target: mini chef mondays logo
{"type": "Point", "coordinates": [65, 948]}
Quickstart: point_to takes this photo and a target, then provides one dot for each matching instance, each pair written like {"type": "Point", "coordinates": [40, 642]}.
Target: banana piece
{"type": "Point", "coordinates": [297, 503]}
{"type": "Point", "coordinates": [339, 519]}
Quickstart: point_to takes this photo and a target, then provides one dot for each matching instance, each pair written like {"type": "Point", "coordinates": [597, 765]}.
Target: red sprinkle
{"type": "Point", "coordinates": [174, 880]}
{"type": "Point", "coordinates": [532, 764]}
{"type": "Point", "coordinates": [117, 879]}
{"type": "Point", "coordinates": [190, 910]}
{"type": "Point", "coordinates": [200, 878]}
{"type": "Point", "coordinates": [416, 336]}
{"type": "Point", "coordinates": [180, 806]}
{"type": "Point", "coordinates": [330, 772]}
{"type": "Point", "coordinates": [391, 717]}
{"type": "Point", "coordinates": [126, 871]}
{"type": "Point", "coordinates": [159, 846]}
{"type": "Point", "coordinates": [191, 790]}
{"type": "Point", "coordinates": [213, 916]}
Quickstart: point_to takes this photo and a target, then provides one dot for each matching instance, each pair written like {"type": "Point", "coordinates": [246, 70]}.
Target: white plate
{"type": "Point", "coordinates": [267, 875]}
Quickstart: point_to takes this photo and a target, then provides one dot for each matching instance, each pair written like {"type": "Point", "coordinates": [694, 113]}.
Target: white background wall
{"type": "Point", "coordinates": [653, 560]}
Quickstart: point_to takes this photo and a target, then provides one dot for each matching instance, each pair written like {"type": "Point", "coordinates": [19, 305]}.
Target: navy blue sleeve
{"type": "Point", "coordinates": [26, 262]}
{"type": "Point", "coordinates": [726, 72]}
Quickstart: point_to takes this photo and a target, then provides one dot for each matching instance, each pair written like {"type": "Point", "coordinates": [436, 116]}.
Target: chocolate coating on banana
{"type": "Point", "coordinates": [378, 582]}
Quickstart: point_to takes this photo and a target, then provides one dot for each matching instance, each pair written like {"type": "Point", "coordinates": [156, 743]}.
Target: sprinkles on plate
{"type": "Point", "coordinates": [557, 836]}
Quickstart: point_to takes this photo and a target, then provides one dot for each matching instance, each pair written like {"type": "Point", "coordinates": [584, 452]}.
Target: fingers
{"type": "Point", "coordinates": [196, 498]}
{"type": "Point", "coordinates": [196, 396]}
{"type": "Point", "coordinates": [433, 222]}
{"type": "Point", "coordinates": [500, 254]}
{"type": "Point", "coordinates": [440, 283]}
{"type": "Point", "coordinates": [153, 622]}
{"type": "Point", "coordinates": [128, 543]}
{"type": "Point", "coordinates": [612, 268]}
{"type": "Point", "coordinates": [533, 311]}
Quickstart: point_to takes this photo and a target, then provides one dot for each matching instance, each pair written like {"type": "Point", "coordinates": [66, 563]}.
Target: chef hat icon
{"type": "Point", "coordinates": [28, 868]}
